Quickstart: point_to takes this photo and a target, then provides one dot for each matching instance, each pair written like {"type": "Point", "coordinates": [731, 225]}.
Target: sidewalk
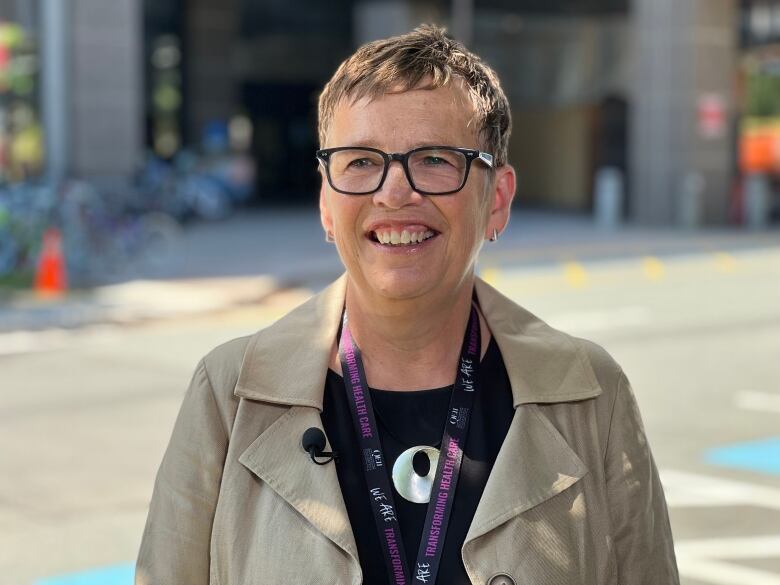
{"type": "Point", "coordinates": [135, 301]}
{"type": "Point", "coordinates": [249, 257]}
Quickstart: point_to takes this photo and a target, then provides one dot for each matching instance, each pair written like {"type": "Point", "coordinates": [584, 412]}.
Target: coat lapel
{"type": "Point", "coordinates": [287, 364]}
{"type": "Point", "coordinates": [544, 366]}
{"type": "Point", "coordinates": [313, 490]}
{"type": "Point", "coordinates": [534, 464]}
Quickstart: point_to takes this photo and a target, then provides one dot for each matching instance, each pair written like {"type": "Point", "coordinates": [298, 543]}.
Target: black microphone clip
{"type": "Point", "coordinates": [313, 443]}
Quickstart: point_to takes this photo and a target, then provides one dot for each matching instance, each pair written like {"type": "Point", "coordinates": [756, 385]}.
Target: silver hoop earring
{"type": "Point", "coordinates": [329, 237]}
{"type": "Point", "coordinates": [494, 237]}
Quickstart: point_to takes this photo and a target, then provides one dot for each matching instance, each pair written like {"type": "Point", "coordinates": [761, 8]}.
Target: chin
{"type": "Point", "coordinates": [403, 286]}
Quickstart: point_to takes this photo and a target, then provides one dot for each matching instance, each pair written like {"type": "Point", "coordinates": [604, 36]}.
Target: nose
{"type": "Point", "coordinates": [396, 192]}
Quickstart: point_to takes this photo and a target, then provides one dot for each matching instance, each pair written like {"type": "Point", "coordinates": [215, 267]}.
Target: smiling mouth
{"type": "Point", "coordinates": [390, 237]}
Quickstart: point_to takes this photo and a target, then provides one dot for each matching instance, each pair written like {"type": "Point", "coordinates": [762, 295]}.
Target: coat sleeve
{"type": "Point", "coordinates": [642, 536]}
{"type": "Point", "coordinates": [175, 546]}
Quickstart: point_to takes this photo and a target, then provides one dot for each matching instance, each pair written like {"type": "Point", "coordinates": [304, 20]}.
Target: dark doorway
{"type": "Point", "coordinates": [284, 119]}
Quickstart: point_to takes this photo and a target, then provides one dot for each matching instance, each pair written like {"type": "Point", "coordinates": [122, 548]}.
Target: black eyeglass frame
{"type": "Point", "coordinates": [323, 156]}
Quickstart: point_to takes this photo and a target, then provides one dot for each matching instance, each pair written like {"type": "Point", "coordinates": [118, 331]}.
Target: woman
{"type": "Point", "coordinates": [474, 444]}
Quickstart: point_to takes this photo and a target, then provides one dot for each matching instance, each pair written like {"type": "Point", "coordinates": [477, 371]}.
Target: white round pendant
{"type": "Point", "coordinates": [413, 487]}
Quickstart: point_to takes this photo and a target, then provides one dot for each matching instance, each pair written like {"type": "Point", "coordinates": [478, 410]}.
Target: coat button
{"type": "Point", "coordinates": [501, 579]}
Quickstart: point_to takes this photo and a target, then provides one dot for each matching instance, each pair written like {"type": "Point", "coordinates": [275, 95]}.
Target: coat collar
{"type": "Point", "coordinates": [534, 464]}
{"type": "Point", "coordinates": [306, 487]}
{"type": "Point", "coordinates": [282, 367]}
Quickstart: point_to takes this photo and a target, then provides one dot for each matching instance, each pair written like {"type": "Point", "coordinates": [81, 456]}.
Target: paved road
{"type": "Point", "coordinates": [85, 415]}
{"type": "Point", "coordinates": [699, 336]}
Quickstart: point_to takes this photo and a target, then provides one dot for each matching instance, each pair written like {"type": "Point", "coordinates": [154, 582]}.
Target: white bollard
{"type": "Point", "coordinates": [608, 197]}
{"type": "Point", "coordinates": [690, 202]}
{"type": "Point", "coordinates": [757, 200]}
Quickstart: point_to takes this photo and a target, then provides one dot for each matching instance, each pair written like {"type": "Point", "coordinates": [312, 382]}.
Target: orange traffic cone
{"type": "Point", "coordinates": [50, 278]}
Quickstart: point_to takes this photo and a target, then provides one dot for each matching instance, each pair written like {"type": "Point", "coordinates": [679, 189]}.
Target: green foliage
{"type": "Point", "coordinates": [763, 95]}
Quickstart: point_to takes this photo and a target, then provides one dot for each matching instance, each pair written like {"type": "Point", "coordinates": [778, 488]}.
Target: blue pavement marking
{"type": "Point", "coordinates": [761, 456]}
{"type": "Point", "coordinates": [115, 575]}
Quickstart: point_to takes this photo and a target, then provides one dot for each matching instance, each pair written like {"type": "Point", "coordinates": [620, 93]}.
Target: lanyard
{"type": "Point", "coordinates": [448, 468]}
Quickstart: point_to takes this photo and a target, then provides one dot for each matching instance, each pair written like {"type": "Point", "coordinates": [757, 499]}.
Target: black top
{"type": "Point", "coordinates": [406, 419]}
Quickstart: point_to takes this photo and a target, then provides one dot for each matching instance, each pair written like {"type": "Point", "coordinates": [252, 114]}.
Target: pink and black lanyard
{"type": "Point", "coordinates": [445, 481]}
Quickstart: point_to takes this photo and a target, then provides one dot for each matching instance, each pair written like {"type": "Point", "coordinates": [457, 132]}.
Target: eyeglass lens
{"type": "Point", "coordinates": [431, 170]}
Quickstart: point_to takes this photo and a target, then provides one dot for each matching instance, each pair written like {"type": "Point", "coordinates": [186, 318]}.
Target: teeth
{"type": "Point", "coordinates": [394, 238]}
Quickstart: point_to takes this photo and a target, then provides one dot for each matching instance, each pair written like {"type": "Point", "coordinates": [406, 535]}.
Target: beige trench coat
{"type": "Point", "coordinates": [573, 499]}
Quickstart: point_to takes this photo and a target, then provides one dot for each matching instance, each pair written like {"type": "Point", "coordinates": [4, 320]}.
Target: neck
{"type": "Point", "coordinates": [410, 344]}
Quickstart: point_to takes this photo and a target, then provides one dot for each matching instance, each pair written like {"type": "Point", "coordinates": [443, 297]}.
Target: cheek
{"type": "Point", "coordinates": [344, 212]}
{"type": "Point", "coordinates": [483, 213]}
{"type": "Point", "coordinates": [467, 224]}
{"type": "Point", "coordinates": [478, 213]}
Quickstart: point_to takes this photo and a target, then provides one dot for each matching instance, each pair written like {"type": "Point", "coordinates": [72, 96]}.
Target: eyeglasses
{"type": "Point", "coordinates": [430, 170]}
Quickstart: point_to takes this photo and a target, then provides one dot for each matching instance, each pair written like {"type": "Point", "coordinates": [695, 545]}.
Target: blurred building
{"type": "Point", "coordinates": [646, 87]}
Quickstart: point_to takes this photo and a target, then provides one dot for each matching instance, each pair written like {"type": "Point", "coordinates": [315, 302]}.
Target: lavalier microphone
{"type": "Point", "coordinates": [313, 442]}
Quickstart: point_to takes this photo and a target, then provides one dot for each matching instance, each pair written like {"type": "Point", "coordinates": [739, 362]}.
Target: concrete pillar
{"type": "Point", "coordinates": [55, 104]}
{"type": "Point", "coordinates": [686, 53]}
{"type": "Point", "coordinates": [106, 86]}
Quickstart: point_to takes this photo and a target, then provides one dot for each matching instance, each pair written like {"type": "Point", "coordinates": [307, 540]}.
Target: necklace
{"type": "Point", "coordinates": [410, 484]}
{"type": "Point", "coordinates": [414, 469]}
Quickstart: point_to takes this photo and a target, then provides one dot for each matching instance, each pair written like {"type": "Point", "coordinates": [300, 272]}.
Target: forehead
{"type": "Point", "coordinates": [404, 120]}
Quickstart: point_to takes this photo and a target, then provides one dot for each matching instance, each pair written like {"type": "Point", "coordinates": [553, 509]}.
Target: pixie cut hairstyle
{"type": "Point", "coordinates": [425, 58]}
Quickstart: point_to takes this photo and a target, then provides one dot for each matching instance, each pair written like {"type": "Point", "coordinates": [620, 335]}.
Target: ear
{"type": "Point", "coordinates": [503, 192]}
{"type": "Point", "coordinates": [325, 216]}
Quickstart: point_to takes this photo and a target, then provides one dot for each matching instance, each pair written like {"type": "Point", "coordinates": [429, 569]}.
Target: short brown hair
{"type": "Point", "coordinates": [402, 63]}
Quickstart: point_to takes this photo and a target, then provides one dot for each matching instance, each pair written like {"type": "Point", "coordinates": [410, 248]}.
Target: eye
{"type": "Point", "coordinates": [435, 161]}
{"type": "Point", "coordinates": [361, 163]}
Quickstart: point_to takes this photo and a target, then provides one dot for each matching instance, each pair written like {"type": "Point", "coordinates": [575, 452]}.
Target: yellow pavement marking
{"type": "Point", "coordinates": [653, 268]}
{"type": "Point", "coordinates": [575, 274]}
{"type": "Point", "coordinates": [572, 273]}
{"type": "Point", "coordinates": [725, 262]}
